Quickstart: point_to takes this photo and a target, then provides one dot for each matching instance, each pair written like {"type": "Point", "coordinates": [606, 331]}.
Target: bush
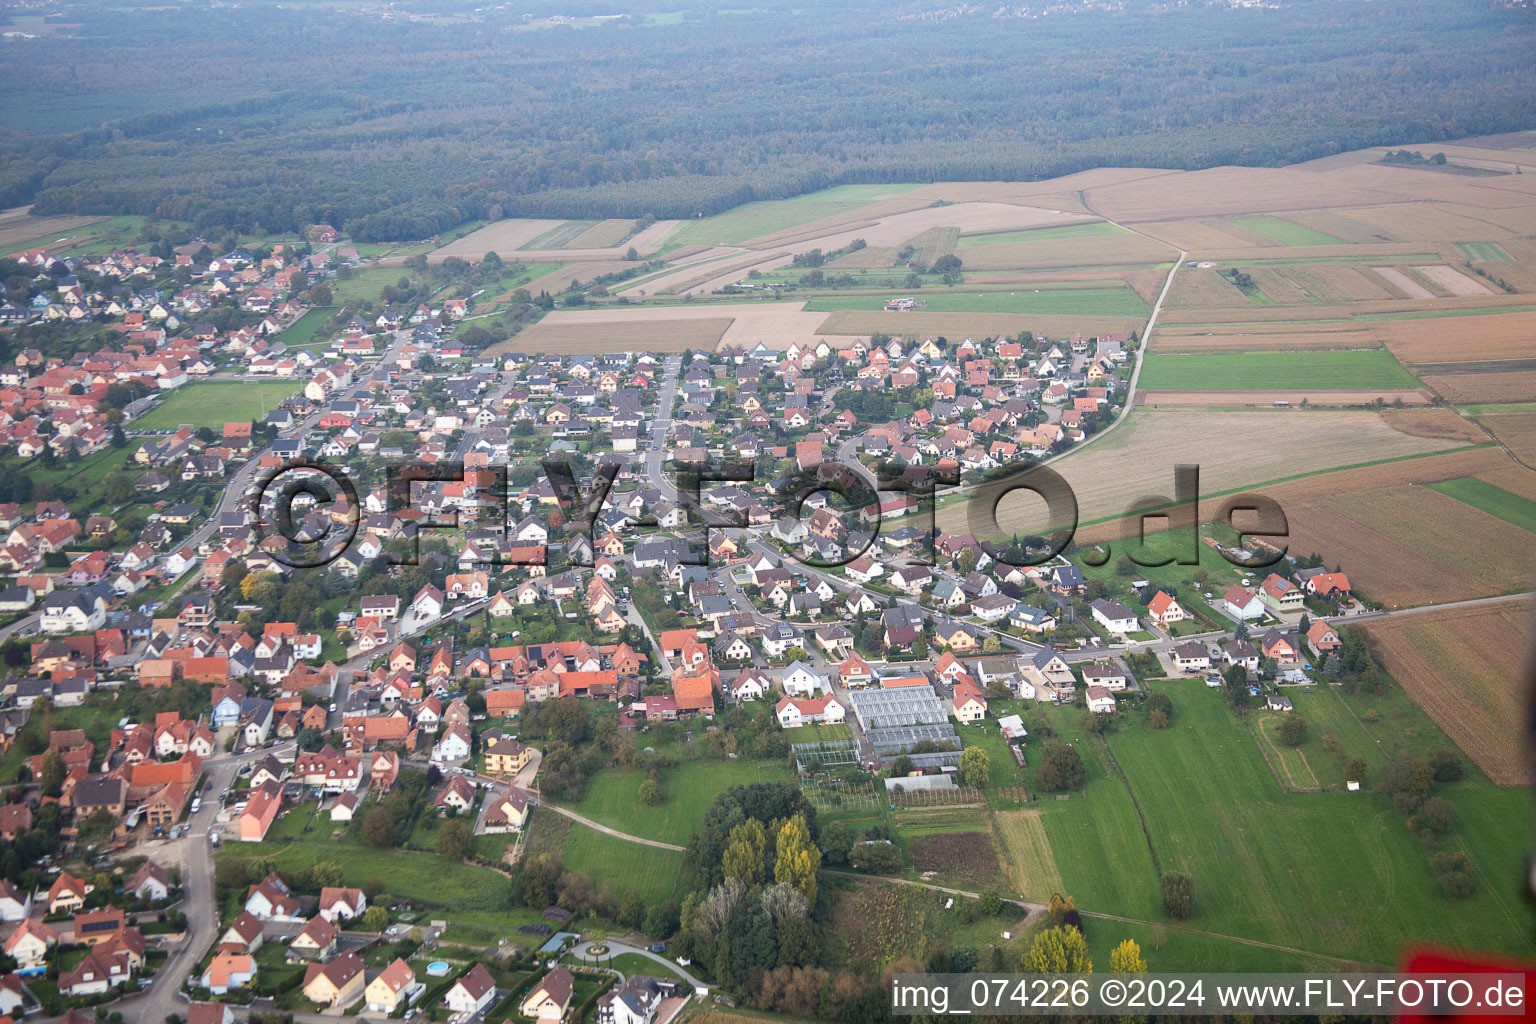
{"type": "Point", "coordinates": [1061, 767]}
{"type": "Point", "coordinates": [1293, 731]}
{"type": "Point", "coordinates": [1178, 895]}
{"type": "Point", "coordinates": [1447, 765]}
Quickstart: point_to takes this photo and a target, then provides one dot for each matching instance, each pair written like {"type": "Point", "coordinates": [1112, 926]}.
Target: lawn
{"type": "Point", "coordinates": [364, 285]}
{"type": "Point", "coordinates": [1335, 872]}
{"type": "Point", "coordinates": [1071, 232]}
{"type": "Point", "coordinates": [818, 732]}
{"type": "Point", "coordinates": [613, 796]}
{"type": "Point", "coordinates": [214, 403]}
{"type": "Point", "coordinates": [1360, 369]}
{"type": "Point", "coordinates": [631, 964]}
{"type": "Point", "coordinates": [1496, 501]}
{"type": "Point", "coordinates": [302, 332]}
{"type": "Point", "coordinates": [1118, 301]}
{"type": "Point", "coordinates": [423, 878]}
{"type": "Point", "coordinates": [1285, 232]}
{"type": "Point", "coordinates": [653, 874]}
{"type": "Point", "coordinates": [87, 477]}
{"type": "Point", "coordinates": [988, 736]}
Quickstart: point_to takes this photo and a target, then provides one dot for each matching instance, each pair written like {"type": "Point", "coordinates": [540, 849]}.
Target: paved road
{"type": "Point", "coordinates": [660, 424]}
{"type": "Point", "coordinates": [195, 855]}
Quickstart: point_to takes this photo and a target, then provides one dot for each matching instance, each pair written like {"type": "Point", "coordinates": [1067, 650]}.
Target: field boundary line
{"type": "Point", "coordinates": [1141, 817]}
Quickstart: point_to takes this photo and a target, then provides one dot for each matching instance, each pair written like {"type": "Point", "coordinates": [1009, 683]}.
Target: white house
{"type": "Point", "coordinates": [471, 993]}
{"type": "Point", "coordinates": [1100, 700]}
{"type": "Point", "coordinates": [792, 712]}
{"type": "Point", "coordinates": [1114, 616]}
{"type": "Point", "coordinates": [800, 680]}
{"type": "Point", "coordinates": [1243, 603]}
{"type": "Point", "coordinates": [453, 745]}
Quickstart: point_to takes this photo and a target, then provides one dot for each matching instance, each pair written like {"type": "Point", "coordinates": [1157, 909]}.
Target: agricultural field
{"type": "Point", "coordinates": [1471, 338]}
{"type": "Point", "coordinates": [1027, 857]}
{"type": "Point", "coordinates": [1096, 229]}
{"type": "Point", "coordinates": [1403, 543]}
{"type": "Point", "coordinates": [1234, 449]}
{"type": "Point", "coordinates": [669, 328]}
{"type": "Point", "coordinates": [650, 335]}
{"type": "Point", "coordinates": [20, 230]}
{"type": "Point", "coordinates": [920, 324]}
{"type": "Point", "coordinates": [1483, 252]}
{"type": "Point", "coordinates": [1263, 337]}
{"type": "Point", "coordinates": [1480, 702]}
{"type": "Point", "coordinates": [755, 220]}
{"type": "Point", "coordinates": [950, 846]}
{"type": "Point", "coordinates": [1517, 431]}
{"type": "Point", "coordinates": [1494, 500]}
{"type": "Point", "coordinates": [1055, 301]}
{"type": "Point", "coordinates": [1266, 371]}
{"type": "Point", "coordinates": [1285, 232]}
{"type": "Point", "coordinates": [214, 403]}
{"type": "Point", "coordinates": [1445, 424]}
{"type": "Point", "coordinates": [1454, 282]}
{"type": "Point", "coordinates": [1469, 388]}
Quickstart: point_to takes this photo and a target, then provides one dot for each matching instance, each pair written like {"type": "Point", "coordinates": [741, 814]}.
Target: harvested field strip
{"type": "Point", "coordinates": [1454, 281]}
{"type": "Point", "coordinates": [1461, 388]}
{"type": "Point", "coordinates": [1496, 501]}
{"type": "Point", "coordinates": [1235, 450]}
{"type": "Point", "coordinates": [1441, 423]}
{"type": "Point", "coordinates": [632, 336]}
{"type": "Point", "coordinates": [1285, 232]}
{"type": "Point", "coordinates": [559, 236]}
{"type": "Point", "coordinates": [1097, 229]}
{"type": "Point", "coordinates": [1517, 431]}
{"type": "Point", "coordinates": [1464, 668]}
{"type": "Point", "coordinates": [1496, 336]}
{"type": "Point", "coordinates": [1478, 366]}
{"type": "Point", "coordinates": [1349, 370]}
{"type": "Point", "coordinates": [1228, 314]}
{"type": "Point", "coordinates": [1030, 864]}
{"type": "Point", "coordinates": [1340, 478]}
{"type": "Point", "coordinates": [1061, 300]}
{"type": "Point", "coordinates": [604, 234]}
{"type": "Point", "coordinates": [974, 325]}
{"type": "Point", "coordinates": [1274, 400]}
{"type": "Point", "coordinates": [1483, 252]}
{"type": "Point", "coordinates": [1264, 337]}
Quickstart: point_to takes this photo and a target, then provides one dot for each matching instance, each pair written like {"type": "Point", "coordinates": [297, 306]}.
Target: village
{"type": "Point", "coordinates": [275, 690]}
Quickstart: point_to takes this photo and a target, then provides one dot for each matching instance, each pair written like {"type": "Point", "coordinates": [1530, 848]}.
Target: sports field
{"type": "Point", "coordinates": [1268, 371]}
{"type": "Point", "coordinates": [214, 403]}
{"type": "Point", "coordinates": [1057, 301]}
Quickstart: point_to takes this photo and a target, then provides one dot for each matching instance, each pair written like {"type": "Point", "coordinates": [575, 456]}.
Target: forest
{"type": "Point", "coordinates": [404, 121]}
